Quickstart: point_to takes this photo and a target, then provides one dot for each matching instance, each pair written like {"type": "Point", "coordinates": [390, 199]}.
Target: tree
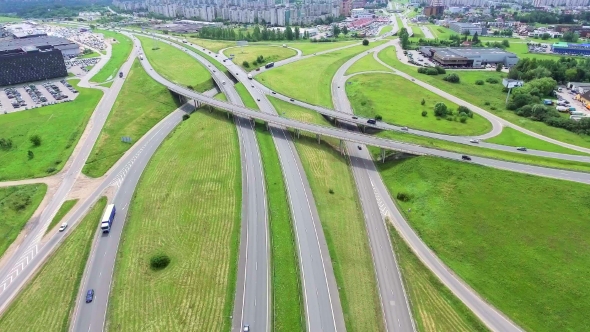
{"type": "Point", "coordinates": [297, 33]}
{"type": "Point", "coordinates": [246, 64]}
{"type": "Point", "coordinates": [165, 32]}
{"type": "Point", "coordinates": [423, 102]}
{"type": "Point", "coordinates": [35, 139]}
{"type": "Point", "coordinates": [545, 36]}
{"type": "Point", "coordinates": [499, 67]}
{"type": "Point", "coordinates": [365, 42]}
{"type": "Point", "coordinates": [404, 38]}
{"type": "Point", "coordinates": [571, 74]}
{"type": "Point", "coordinates": [30, 154]}
{"type": "Point", "coordinates": [440, 110]}
{"type": "Point", "coordinates": [345, 30]}
{"type": "Point", "coordinates": [570, 36]}
{"type": "Point", "coordinates": [159, 261]}
{"type": "Point", "coordinates": [336, 30]}
{"type": "Point", "coordinates": [289, 33]}
{"type": "Point", "coordinates": [505, 43]}
{"type": "Point", "coordinates": [424, 113]}
{"type": "Point", "coordinates": [475, 38]}
{"type": "Point", "coordinates": [452, 78]}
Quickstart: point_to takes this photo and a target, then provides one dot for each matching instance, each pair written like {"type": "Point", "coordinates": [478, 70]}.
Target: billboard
{"type": "Point", "coordinates": [508, 83]}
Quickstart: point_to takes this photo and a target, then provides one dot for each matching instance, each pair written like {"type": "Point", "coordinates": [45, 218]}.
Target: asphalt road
{"type": "Point", "coordinates": [14, 269]}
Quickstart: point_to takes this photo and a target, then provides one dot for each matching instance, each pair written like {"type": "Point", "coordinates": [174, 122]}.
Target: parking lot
{"type": "Point", "coordinates": [81, 37]}
{"type": "Point", "coordinates": [32, 95]}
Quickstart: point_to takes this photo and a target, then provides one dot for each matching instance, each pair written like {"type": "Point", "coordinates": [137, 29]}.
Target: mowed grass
{"type": "Point", "coordinates": [434, 307]}
{"type": "Point", "coordinates": [120, 52]}
{"type": "Point", "coordinates": [140, 105]}
{"type": "Point", "coordinates": [250, 53]}
{"type": "Point", "coordinates": [291, 111]}
{"type": "Point", "coordinates": [385, 30]}
{"type": "Point", "coordinates": [220, 96]}
{"type": "Point", "coordinates": [287, 303]}
{"type": "Point", "coordinates": [63, 210]}
{"type": "Point", "coordinates": [59, 126]}
{"type": "Point", "coordinates": [246, 97]}
{"type": "Point", "coordinates": [441, 32]}
{"type": "Point", "coordinates": [344, 227]}
{"type": "Point", "coordinates": [212, 45]}
{"type": "Point", "coordinates": [512, 137]}
{"type": "Point", "coordinates": [6, 19]}
{"type": "Point", "coordinates": [176, 65]}
{"type": "Point", "coordinates": [307, 48]}
{"type": "Point", "coordinates": [510, 236]}
{"type": "Point", "coordinates": [479, 95]}
{"type": "Point", "coordinates": [47, 302]}
{"type": "Point", "coordinates": [17, 205]}
{"type": "Point", "coordinates": [89, 55]}
{"type": "Point", "coordinates": [309, 80]}
{"type": "Point", "coordinates": [366, 63]}
{"type": "Point", "coordinates": [194, 218]}
{"type": "Point", "coordinates": [398, 101]}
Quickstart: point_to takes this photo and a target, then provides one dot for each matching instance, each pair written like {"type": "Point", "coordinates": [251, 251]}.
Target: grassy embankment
{"type": "Point", "coordinates": [63, 210]}
{"type": "Point", "coordinates": [17, 205]}
{"type": "Point", "coordinates": [370, 95]}
{"type": "Point", "coordinates": [525, 258]}
{"type": "Point", "coordinates": [176, 65]}
{"type": "Point", "coordinates": [366, 63]}
{"type": "Point", "coordinates": [89, 55]}
{"type": "Point", "coordinates": [6, 19]}
{"type": "Point", "coordinates": [120, 52]}
{"type": "Point", "coordinates": [140, 105]}
{"type": "Point", "coordinates": [59, 126]}
{"type": "Point", "coordinates": [385, 30]}
{"type": "Point", "coordinates": [250, 53]}
{"type": "Point", "coordinates": [47, 302]}
{"type": "Point", "coordinates": [309, 80]}
{"type": "Point", "coordinates": [194, 218]}
{"type": "Point", "coordinates": [480, 95]}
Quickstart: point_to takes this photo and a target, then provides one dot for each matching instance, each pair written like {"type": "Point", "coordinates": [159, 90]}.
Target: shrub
{"type": "Point", "coordinates": [185, 117]}
{"type": "Point", "coordinates": [159, 261]}
{"type": "Point", "coordinates": [246, 64]}
{"type": "Point", "coordinates": [465, 110]}
{"type": "Point", "coordinates": [492, 80]}
{"type": "Point", "coordinates": [404, 197]}
{"type": "Point", "coordinates": [51, 170]}
{"type": "Point", "coordinates": [493, 108]}
{"type": "Point", "coordinates": [440, 110]}
{"type": "Point", "coordinates": [35, 139]}
{"type": "Point", "coordinates": [30, 154]}
{"type": "Point", "coordinates": [424, 113]}
{"type": "Point", "coordinates": [440, 70]}
{"type": "Point", "coordinates": [365, 42]}
{"type": "Point", "coordinates": [5, 144]}
{"type": "Point", "coordinates": [431, 71]}
{"type": "Point", "coordinates": [331, 191]}
{"type": "Point", "coordinates": [378, 117]}
{"type": "Point", "coordinates": [421, 70]}
{"type": "Point", "coordinates": [452, 78]}
{"type": "Point", "coordinates": [479, 82]}
{"type": "Point", "coordinates": [487, 103]}
{"type": "Point", "coordinates": [463, 119]}
{"type": "Point", "coordinates": [423, 102]}
{"type": "Point", "coordinates": [190, 87]}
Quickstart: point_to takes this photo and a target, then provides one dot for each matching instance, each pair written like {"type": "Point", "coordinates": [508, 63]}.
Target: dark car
{"type": "Point", "coordinates": [522, 148]}
{"type": "Point", "coordinates": [292, 99]}
{"type": "Point", "coordinates": [359, 147]}
{"type": "Point", "coordinates": [274, 93]}
{"type": "Point", "coordinates": [464, 157]}
{"type": "Point", "coordinates": [354, 117]}
{"type": "Point", "coordinates": [371, 121]}
{"type": "Point", "coordinates": [89, 295]}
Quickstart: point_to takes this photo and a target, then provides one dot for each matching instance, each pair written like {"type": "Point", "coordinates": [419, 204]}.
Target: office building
{"type": "Point", "coordinates": [461, 28]}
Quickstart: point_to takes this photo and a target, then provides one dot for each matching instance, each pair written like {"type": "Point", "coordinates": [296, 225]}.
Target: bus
{"type": "Point", "coordinates": [107, 218]}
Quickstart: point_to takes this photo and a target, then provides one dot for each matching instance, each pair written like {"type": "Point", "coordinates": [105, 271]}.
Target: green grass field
{"type": "Point", "coordinates": [434, 307]}
{"type": "Point", "coordinates": [307, 47]}
{"type": "Point", "coordinates": [344, 227]}
{"type": "Point", "coordinates": [366, 63]}
{"type": "Point", "coordinates": [479, 95]}
{"type": "Point", "coordinates": [6, 19]}
{"type": "Point", "coordinates": [385, 30]}
{"type": "Point", "coordinates": [206, 55]}
{"type": "Point", "coordinates": [212, 45]}
{"type": "Point", "coordinates": [441, 32]}
{"type": "Point", "coordinates": [513, 137]}
{"type": "Point", "coordinates": [220, 96]}
{"type": "Point", "coordinates": [47, 302]}
{"type": "Point", "coordinates": [176, 65]}
{"type": "Point", "coordinates": [287, 303]}
{"type": "Point", "coordinates": [63, 210]}
{"type": "Point", "coordinates": [89, 55]}
{"type": "Point", "coordinates": [140, 105]}
{"type": "Point", "coordinates": [510, 236]}
{"type": "Point", "coordinates": [59, 126]}
{"type": "Point", "coordinates": [472, 150]}
{"type": "Point", "coordinates": [247, 98]}
{"type": "Point", "coordinates": [120, 52]}
{"type": "Point", "coordinates": [250, 53]}
{"type": "Point", "coordinates": [291, 111]}
{"type": "Point", "coordinates": [194, 218]}
{"type": "Point", "coordinates": [370, 95]}
{"type": "Point", "coordinates": [17, 205]}
{"type": "Point", "coordinates": [309, 80]}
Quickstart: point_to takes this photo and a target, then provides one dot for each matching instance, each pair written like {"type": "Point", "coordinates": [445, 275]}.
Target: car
{"type": "Point", "coordinates": [274, 93]}
{"type": "Point", "coordinates": [404, 128]}
{"type": "Point", "coordinates": [258, 99]}
{"type": "Point", "coordinates": [521, 148]}
{"type": "Point", "coordinates": [236, 73]}
{"type": "Point", "coordinates": [464, 157]}
{"type": "Point", "coordinates": [63, 227]}
{"type": "Point", "coordinates": [292, 99]}
{"type": "Point", "coordinates": [413, 80]}
{"type": "Point", "coordinates": [355, 117]}
{"type": "Point", "coordinates": [214, 71]}
{"type": "Point", "coordinates": [89, 295]}
{"type": "Point", "coordinates": [252, 85]}
{"type": "Point", "coordinates": [359, 147]}
{"type": "Point", "coordinates": [474, 140]}
{"type": "Point", "coordinates": [246, 328]}
{"type": "Point", "coordinates": [258, 69]}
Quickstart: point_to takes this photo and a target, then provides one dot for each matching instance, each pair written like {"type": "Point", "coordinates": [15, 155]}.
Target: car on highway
{"type": "Point", "coordinates": [464, 157]}
{"type": "Point", "coordinates": [258, 99]}
{"type": "Point", "coordinates": [63, 227]}
{"type": "Point", "coordinates": [404, 128]}
{"type": "Point", "coordinates": [359, 147]}
{"type": "Point", "coordinates": [355, 117]}
{"type": "Point", "coordinates": [246, 328]}
{"type": "Point", "coordinates": [521, 148]}
{"type": "Point", "coordinates": [274, 93]}
{"type": "Point", "coordinates": [292, 99]}
{"type": "Point", "coordinates": [474, 140]}
{"type": "Point", "coordinates": [89, 295]}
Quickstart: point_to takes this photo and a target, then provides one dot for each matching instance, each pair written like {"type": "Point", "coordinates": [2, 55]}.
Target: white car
{"type": "Point", "coordinates": [474, 140]}
{"type": "Point", "coordinates": [63, 227]}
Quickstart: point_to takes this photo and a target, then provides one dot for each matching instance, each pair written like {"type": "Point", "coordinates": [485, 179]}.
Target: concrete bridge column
{"type": "Point", "coordinates": [319, 138]}
{"type": "Point", "coordinates": [342, 147]}
{"type": "Point", "coordinates": [382, 155]}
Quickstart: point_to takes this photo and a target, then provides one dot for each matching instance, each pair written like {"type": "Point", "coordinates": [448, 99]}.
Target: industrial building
{"type": "Point", "coordinates": [461, 28]}
{"type": "Point", "coordinates": [67, 48]}
{"type": "Point", "coordinates": [469, 57]}
{"type": "Point", "coordinates": [571, 49]}
{"type": "Point", "coordinates": [30, 63]}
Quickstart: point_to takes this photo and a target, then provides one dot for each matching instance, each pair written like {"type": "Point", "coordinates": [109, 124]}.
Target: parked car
{"type": "Point", "coordinates": [359, 147]}
{"type": "Point", "coordinates": [89, 295]}
{"type": "Point", "coordinates": [404, 128]}
{"type": "Point", "coordinates": [355, 117]}
{"type": "Point", "coordinates": [464, 157]}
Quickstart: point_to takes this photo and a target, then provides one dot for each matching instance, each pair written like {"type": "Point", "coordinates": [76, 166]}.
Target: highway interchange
{"type": "Point", "coordinates": [252, 300]}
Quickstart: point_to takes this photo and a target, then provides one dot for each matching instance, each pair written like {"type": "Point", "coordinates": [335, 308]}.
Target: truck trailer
{"type": "Point", "coordinates": [107, 218]}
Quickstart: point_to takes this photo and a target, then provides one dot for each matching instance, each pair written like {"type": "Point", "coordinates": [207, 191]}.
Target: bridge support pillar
{"type": "Point", "coordinates": [210, 109]}
{"type": "Point", "coordinates": [341, 147]}
{"type": "Point", "coordinates": [363, 128]}
{"type": "Point", "coordinates": [228, 115]}
{"type": "Point", "coordinates": [382, 155]}
{"type": "Point", "coordinates": [336, 123]}
{"type": "Point", "coordinates": [267, 127]}
{"type": "Point", "coordinates": [319, 138]}
{"type": "Point", "coordinates": [297, 131]}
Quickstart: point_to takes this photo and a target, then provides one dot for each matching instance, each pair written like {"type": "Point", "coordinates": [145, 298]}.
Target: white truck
{"type": "Point", "coordinates": [141, 57]}
{"type": "Point", "coordinates": [184, 41]}
{"type": "Point", "coordinates": [249, 76]}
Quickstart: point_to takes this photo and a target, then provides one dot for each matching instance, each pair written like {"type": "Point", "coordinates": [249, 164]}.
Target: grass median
{"type": "Point", "coordinates": [140, 105]}
{"type": "Point", "coordinates": [247, 98]}
{"type": "Point", "coordinates": [385, 30]}
{"type": "Point", "coordinates": [370, 95]}
{"type": "Point", "coordinates": [487, 96]}
{"type": "Point", "coordinates": [176, 65]}
{"type": "Point", "coordinates": [120, 52]}
{"type": "Point", "coordinates": [59, 127]}
{"type": "Point", "coordinates": [251, 53]}
{"type": "Point", "coordinates": [287, 303]}
{"type": "Point", "coordinates": [510, 236]}
{"type": "Point", "coordinates": [310, 79]}
{"type": "Point", "coordinates": [513, 137]}
{"type": "Point", "coordinates": [17, 205]}
{"type": "Point", "coordinates": [193, 216]}
{"type": "Point", "coordinates": [47, 302]}
{"type": "Point", "coordinates": [61, 213]}
{"type": "Point", "coordinates": [366, 63]}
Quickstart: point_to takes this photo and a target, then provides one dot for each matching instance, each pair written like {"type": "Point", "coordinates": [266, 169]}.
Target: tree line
{"type": "Point", "coordinates": [256, 35]}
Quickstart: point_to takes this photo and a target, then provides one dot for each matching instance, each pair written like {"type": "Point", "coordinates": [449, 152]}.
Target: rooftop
{"type": "Point", "coordinates": [36, 41]}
